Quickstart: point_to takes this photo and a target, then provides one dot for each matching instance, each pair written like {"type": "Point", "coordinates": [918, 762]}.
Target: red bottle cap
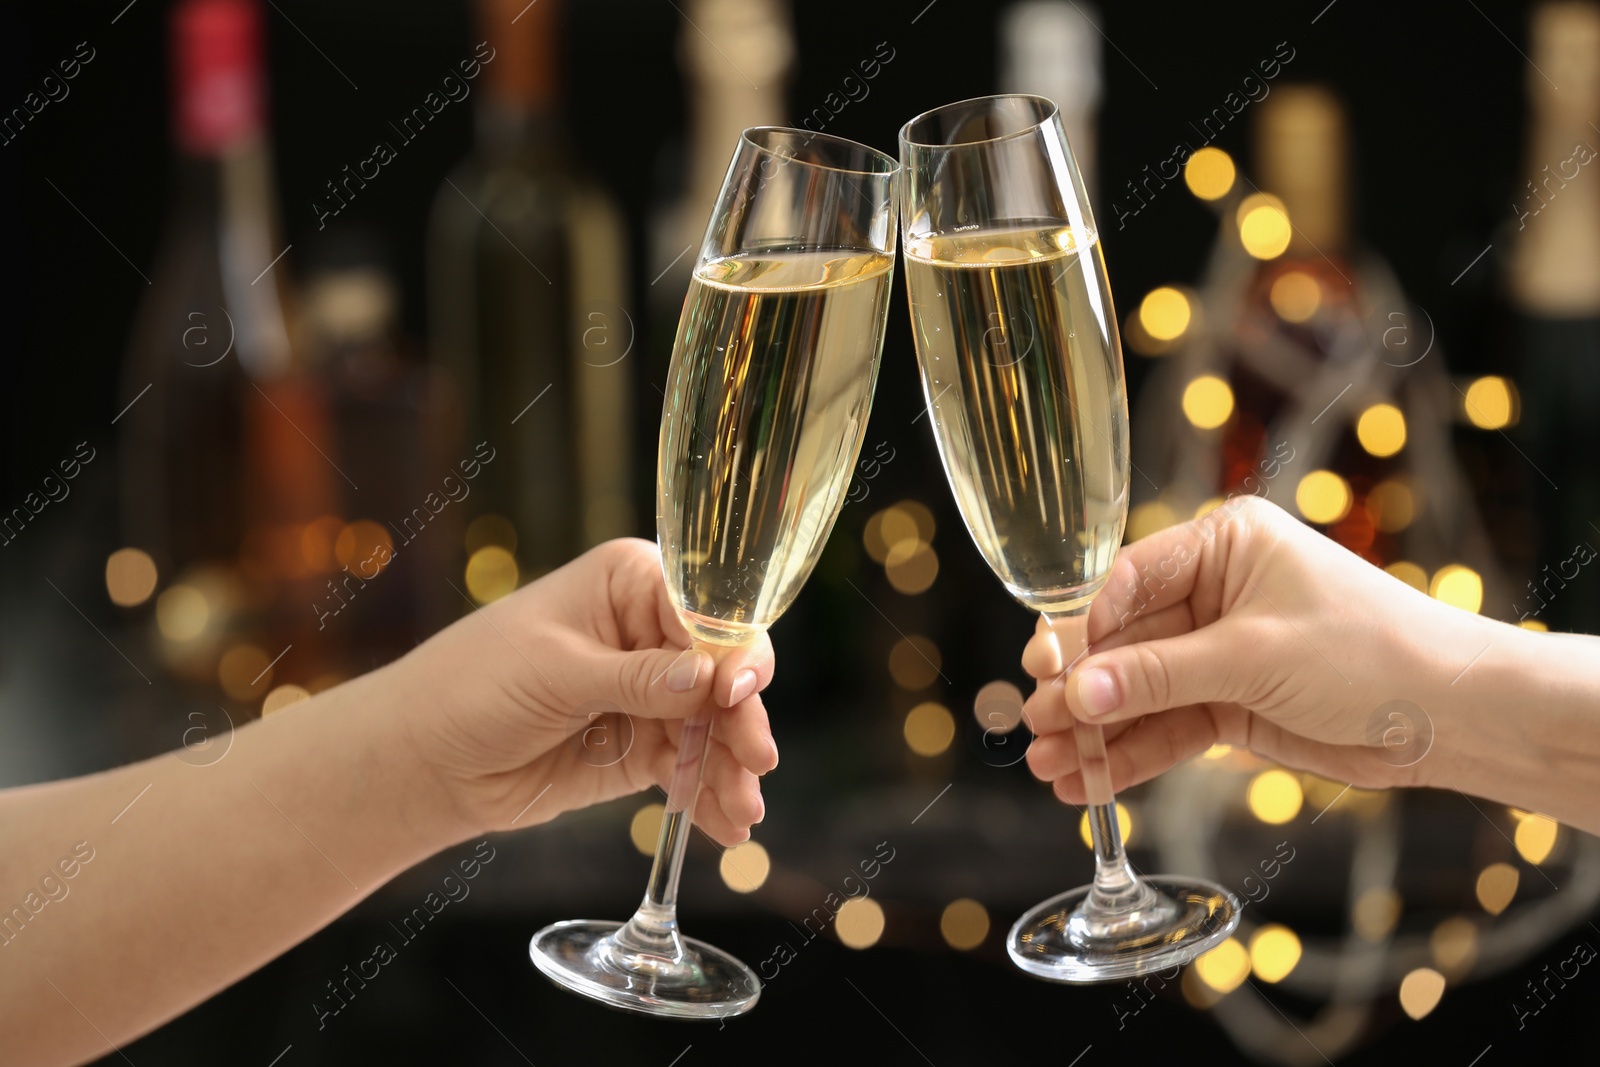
{"type": "Point", "coordinates": [217, 74]}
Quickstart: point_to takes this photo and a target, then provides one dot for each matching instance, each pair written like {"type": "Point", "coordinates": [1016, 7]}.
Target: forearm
{"type": "Point", "coordinates": [1520, 724]}
{"type": "Point", "coordinates": [200, 874]}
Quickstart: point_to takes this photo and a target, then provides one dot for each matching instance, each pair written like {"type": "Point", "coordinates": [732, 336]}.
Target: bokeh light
{"type": "Point", "coordinates": [364, 547]}
{"type": "Point", "coordinates": [1207, 402]}
{"type": "Point", "coordinates": [744, 867]}
{"type": "Point", "coordinates": [486, 530]}
{"type": "Point", "coordinates": [1454, 945]}
{"type": "Point", "coordinates": [1225, 967]}
{"type": "Point", "coordinates": [1458, 586]}
{"type": "Point", "coordinates": [914, 662]}
{"type": "Point", "coordinates": [491, 574]}
{"type": "Point", "coordinates": [1497, 887]}
{"type": "Point", "coordinates": [1410, 573]}
{"type": "Point", "coordinates": [964, 924]}
{"type": "Point", "coordinates": [243, 670]}
{"type": "Point", "coordinates": [1323, 497]}
{"type": "Point", "coordinates": [1274, 952]}
{"type": "Point", "coordinates": [1375, 913]}
{"type": "Point", "coordinates": [1209, 173]}
{"type": "Point", "coordinates": [1382, 430]}
{"type": "Point", "coordinates": [929, 729]}
{"type": "Point", "coordinates": [1491, 403]}
{"type": "Point", "coordinates": [317, 541]}
{"type": "Point", "coordinates": [1420, 991]}
{"type": "Point", "coordinates": [282, 697]}
{"type": "Point", "coordinates": [1149, 518]}
{"type": "Point", "coordinates": [130, 577]}
{"type": "Point", "coordinates": [1391, 505]}
{"type": "Point", "coordinates": [859, 923]}
{"type": "Point", "coordinates": [182, 613]}
{"type": "Point", "coordinates": [645, 828]}
{"type": "Point", "coordinates": [1295, 296]}
{"type": "Point", "coordinates": [911, 567]}
{"type": "Point", "coordinates": [1274, 796]}
{"type": "Point", "coordinates": [1264, 228]}
{"type": "Point", "coordinates": [998, 707]}
{"type": "Point", "coordinates": [1536, 838]}
{"type": "Point", "coordinates": [1165, 313]}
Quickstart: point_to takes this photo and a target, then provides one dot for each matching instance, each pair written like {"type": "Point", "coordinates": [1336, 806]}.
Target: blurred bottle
{"type": "Point", "coordinates": [227, 444]}
{"type": "Point", "coordinates": [529, 311]}
{"type": "Point", "coordinates": [1051, 48]}
{"type": "Point", "coordinates": [1555, 286]}
{"type": "Point", "coordinates": [736, 56]}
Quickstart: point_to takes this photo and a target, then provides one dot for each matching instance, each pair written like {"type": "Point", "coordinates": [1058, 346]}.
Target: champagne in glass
{"type": "Point", "coordinates": [766, 405]}
{"type": "Point", "coordinates": [1022, 369]}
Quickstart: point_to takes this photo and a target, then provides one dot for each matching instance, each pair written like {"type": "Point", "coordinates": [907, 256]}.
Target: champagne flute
{"type": "Point", "coordinates": [766, 404]}
{"type": "Point", "coordinates": [1022, 371]}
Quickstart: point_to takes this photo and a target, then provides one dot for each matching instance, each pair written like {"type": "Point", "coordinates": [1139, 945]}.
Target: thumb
{"type": "Point", "coordinates": [657, 683]}
{"type": "Point", "coordinates": [1151, 676]}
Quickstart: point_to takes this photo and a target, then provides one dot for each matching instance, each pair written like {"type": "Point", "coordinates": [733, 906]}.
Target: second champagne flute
{"type": "Point", "coordinates": [1022, 369]}
{"type": "Point", "coordinates": [766, 404]}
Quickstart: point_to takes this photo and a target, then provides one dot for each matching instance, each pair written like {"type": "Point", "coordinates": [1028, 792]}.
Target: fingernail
{"type": "Point", "coordinates": [684, 673]}
{"type": "Point", "coordinates": [744, 683]}
{"type": "Point", "coordinates": [1097, 689]}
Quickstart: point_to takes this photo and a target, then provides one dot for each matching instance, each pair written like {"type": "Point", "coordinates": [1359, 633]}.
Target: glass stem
{"type": "Point", "coordinates": [1115, 884]}
{"type": "Point", "coordinates": [653, 930]}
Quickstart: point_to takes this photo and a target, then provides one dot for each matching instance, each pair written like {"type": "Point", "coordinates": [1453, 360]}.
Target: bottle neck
{"type": "Point", "coordinates": [1555, 268]}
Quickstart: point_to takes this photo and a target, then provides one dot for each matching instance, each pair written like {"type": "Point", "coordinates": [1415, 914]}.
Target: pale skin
{"type": "Point", "coordinates": [1247, 628]}
{"type": "Point", "coordinates": [216, 869]}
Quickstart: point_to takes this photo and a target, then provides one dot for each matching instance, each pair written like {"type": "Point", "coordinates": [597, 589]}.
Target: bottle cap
{"type": "Point", "coordinates": [1301, 149]}
{"type": "Point", "coordinates": [217, 74]}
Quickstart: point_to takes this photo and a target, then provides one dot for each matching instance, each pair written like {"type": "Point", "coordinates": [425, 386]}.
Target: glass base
{"type": "Point", "coordinates": [1171, 921]}
{"type": "Point", "coordinates": [703, 982]}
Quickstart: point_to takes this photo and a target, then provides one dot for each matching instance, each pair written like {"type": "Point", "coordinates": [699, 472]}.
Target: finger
{"type": "Point", "coordinates": [710, 817]}
{"type": "Point", "coordinates": [743, 670]}
{"type": "Point", "coordinates": [1046, 711]}
{"type": "Point", "coordinates": [657, 683]}
{"type": "Point", "coordinates": [747, 732]}
{"type": "Point", "coordinates": [1041, 656]}
{"type": "Point", "coordinates": [738, 790]}
{"type": "Point", "coordinates": [1149, 676]}
{"type": "Point", "coordinates": [1136, 756]}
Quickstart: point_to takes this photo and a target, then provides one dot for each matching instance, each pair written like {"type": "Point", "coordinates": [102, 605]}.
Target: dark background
{"type": "Point", "coordinates": [1436, 94]}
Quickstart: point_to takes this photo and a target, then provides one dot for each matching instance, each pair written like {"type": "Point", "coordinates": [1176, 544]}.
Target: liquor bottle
{"type": "Point", "coordinates": [735, 56]}
{"type": "Point", "coordinates": [528, 308]}
{"type": "Point", "coordinates": [1051, 48]}
{"type": "Point", "coordinates": [226, 446]}
{"type": "Point", "coordinates": [1554, 283]}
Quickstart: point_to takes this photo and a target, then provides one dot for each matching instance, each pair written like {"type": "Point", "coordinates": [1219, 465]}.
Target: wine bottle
{"type": "Point", "coordinates": [1554, 284]}
{"type": "Point", "coordinates": [1051, 48]}
{"type": "Point", "coordinates": [528, 306]}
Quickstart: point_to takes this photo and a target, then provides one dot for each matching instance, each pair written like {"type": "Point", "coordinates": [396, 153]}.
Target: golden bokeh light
{"type": "Point", "coordinates": [1209, 173]}
{"type": "Point", "coordinates": [1165, 313]}
{"type": "Point", "coordinates": [1391, 505]}
{"type": "Point", "coordinates": [1195, 991]}
{"type": "Point", "coordinates": [317, 541]}
{"type": "Point", "coordinates": [130, 577]}
{"type": "Point", "coordinates": [1124, 826]}
{"type": "Point", "coordinates": [1490, 403]}
{"type": "Point", "coordinates": [645, 828]}
{"type": "Point", "coordinates": [1323, 497]}
{"type": "Point", "coordinates": [1454, 946]}
{"type": "Point", "coordinates": [486, 530]}
{"type": "Point", "coordinates": [998, 707]}
{"type": "Point", "coordinates": [282, 697]}
{"type": "Point", "coordinates": [1296, 296]}
{"type": "Point", "coordinates": [1150, 518]}
{"type": "Point", "coordinates": [1265, 231]}
{"type": "Point", "coordinates": [491, 573]}
{"type": "Point", "coordinates": [1274, 952]}
{"type": "Point", "coordinates": [1458, 586]}
{"type": "Point", "coordinates": [929, 729]}
{"type": "Point", "coordinates": [745, 866]}
{"type": "Point", "coordinates": [243, 671]}
{"type": "Point", "coordinates": [364, 547]}
{"type": "Point", "coordinates": [1536, 838]}
{"type": "Point", "coordinates": [921, 517]}
{"type": "Point", "coordinates": [1207, 402]}
{"type": "Point", "coordinates": [1208, 506]}
{"type": "Point", "coordinates": [889, 528]}
{"type": "Point", "coordinates": [1275, 796]}
{"type": "Point", "coordinates": [1410, 573]}
{"type": "Point", "coordinates": [911, 567]}
{"type": "Point", "coordinates": [1253, 201]}
{"type": "Point", "coordinates": [1535, 625]}
{"type": "Point", "coordinates": [1420, 991]}
{"type": "Point", "coordinates": [1225, 967]}
{"type": "Point", "coordinates": [182, 613]}
{"type": "Point", "coordinates": [1382, 430]}
{"type": "Point", "coordinates": [914, 662]}
{"type": "Point", "coordinates": [1497, 887]}
{"type": "Point", "coordinates": [964, 924]}
{"type": "Point", "coordinates": [1216, 751]}
{"type": "Point", "coordinates": [859, 923]}
{"type": "Point", "coordinates": [1375, 913]}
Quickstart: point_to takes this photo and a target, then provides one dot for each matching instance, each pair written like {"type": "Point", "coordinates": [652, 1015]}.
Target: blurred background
{"type": "Point", "coordinates": [279, 270]}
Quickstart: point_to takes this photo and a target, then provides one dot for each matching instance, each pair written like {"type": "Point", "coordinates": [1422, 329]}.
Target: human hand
{"type": "Point", "coordinates": [573, 691]}
{"type": "Point", "coordinates": [1247, 628]}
